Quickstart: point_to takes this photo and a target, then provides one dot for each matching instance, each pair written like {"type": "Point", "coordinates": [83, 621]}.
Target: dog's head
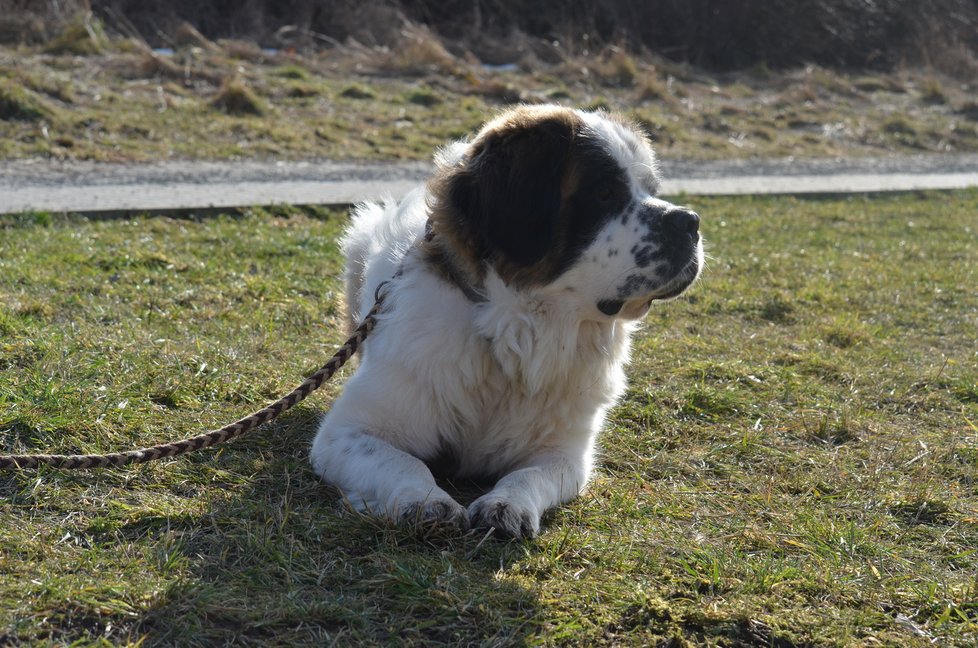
{"type": "Point", "coordinates": [563, 201]}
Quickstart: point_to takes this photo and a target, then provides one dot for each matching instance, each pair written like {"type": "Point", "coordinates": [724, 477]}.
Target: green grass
{"type": "Point", "coordinates": [794, 463]}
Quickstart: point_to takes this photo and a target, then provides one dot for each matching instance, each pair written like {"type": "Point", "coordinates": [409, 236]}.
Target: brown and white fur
{"type": "Point", "coordinates": [504, 340]}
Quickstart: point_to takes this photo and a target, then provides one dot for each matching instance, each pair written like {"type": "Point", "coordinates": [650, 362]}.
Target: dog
{"type": "Point", "coordinates": [523, 267]}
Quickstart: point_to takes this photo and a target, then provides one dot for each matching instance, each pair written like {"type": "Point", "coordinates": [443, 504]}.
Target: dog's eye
{"type": "Point", "coordinates": [606, 192]}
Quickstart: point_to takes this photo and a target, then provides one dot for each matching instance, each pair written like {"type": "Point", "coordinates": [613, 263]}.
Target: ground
{"type": "Point", "coordinates": [795, 462]}
{"type": "Point", "coordinates": [128, 103]}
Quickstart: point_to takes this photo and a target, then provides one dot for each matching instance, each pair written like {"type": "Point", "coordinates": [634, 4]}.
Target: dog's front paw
{"type": "Point", "coordinates": [507, 518]}
{"type": "Point", "coordinates": [433, 513]}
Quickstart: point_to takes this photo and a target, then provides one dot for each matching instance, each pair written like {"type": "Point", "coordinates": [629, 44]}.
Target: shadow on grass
{"type": "Point", "coordinates": [275, 558]}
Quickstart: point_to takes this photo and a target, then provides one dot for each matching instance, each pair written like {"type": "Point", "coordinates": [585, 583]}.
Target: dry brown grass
{"type": "Point", "coordinates": [417, 51]}
{"type": "Point", "coordinates": [236, 98]}
{"type": "Point", "coordinates": [403, 99]}
{"type": "Point", "coordinates": [30, 23]}
{"type": "Point", "coordinates": [186, 35]}
{"type": "Point", "coordinates": [18, 103]}
{"type": "Point", "coordinates": [243, 50]}
{"type": "Point", "coordinates": [616, 67]}
{"type": "Point", "coordinates": [82, 36]}
{"type": "Point", "coordinates": [737, 34]}
{"type": "Point", "coordinates": [21, 29]}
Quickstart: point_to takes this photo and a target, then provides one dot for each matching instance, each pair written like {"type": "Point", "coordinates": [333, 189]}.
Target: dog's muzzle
{"type": "Point", "coordinates": [665, 267]}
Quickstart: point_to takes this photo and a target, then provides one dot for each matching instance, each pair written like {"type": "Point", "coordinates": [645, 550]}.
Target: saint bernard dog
{"type": "Point", "coordinates": [523, 268]}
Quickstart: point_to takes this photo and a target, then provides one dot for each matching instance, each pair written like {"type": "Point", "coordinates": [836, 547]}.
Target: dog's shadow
{"type": "Point", "coordinates": [275, 555]}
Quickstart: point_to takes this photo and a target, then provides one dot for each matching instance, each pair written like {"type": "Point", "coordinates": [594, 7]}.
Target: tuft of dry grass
{"type": "Point", "coordinates": [652, 89]}
{"type": "Point", "coordinates": [932, 91]}
{"type": "Point", "coordinates": [616, 67]}
{"type": "Point", "coordinates": [243, 50]}
{"type": "Point", "coordinates": [54, 88]}
{"type": "Point", "coordinates": [19, 104]}
{"type": "Point", "coordinates": [21, 29]}
{"type": "Point", "coordinates": [293, 72]}
{"type": "Point", "coordinates": [357, 91]}
{"type": "Point", "coordinates": [148, 65]}
{"type": "Point", "coordinates": [424, 96]}
{"type": "Point", "coordinates": [419, 51]}
{"type": "Point", "coordinates": [186, 35]}
{"type": "Point", "coordinates": [236, 98]}
{"type": "Point", "coordinates": [506, 92]}
{"type": "Point", "coordinates": [878, 83]}
{"type": "Point", "coordinates": [83, 36]}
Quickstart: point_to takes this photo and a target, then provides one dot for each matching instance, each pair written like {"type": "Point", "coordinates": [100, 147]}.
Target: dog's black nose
{"type": "Point", "coordinates": [680, 220]}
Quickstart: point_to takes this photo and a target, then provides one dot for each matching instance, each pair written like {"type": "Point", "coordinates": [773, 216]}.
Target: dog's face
{"type": "Point", "coordinates": [564, 202]}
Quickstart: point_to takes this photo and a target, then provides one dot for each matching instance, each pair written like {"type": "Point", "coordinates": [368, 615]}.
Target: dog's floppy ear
{"type": "Point", "coordinates": [507, 194]}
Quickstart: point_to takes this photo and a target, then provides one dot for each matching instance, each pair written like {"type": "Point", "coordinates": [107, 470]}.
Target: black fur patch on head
{"type": "Point", "coordinates": [530, 196]}
{"type": "Point", "coordinates": [509, 194]}
{"type": "Point", "coordinates": [597, 191]}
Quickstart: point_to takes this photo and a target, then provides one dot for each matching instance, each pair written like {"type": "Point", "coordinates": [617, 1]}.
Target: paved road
{"type": "Point", "coordinates": [94, 187]}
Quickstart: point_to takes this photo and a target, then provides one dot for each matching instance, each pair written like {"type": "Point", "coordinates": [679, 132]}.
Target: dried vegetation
{"type": "Point", "coordinates": [411, 89]}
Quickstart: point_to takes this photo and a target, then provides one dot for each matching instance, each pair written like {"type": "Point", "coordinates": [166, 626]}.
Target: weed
{"type": "Point", "coordinates": [302, 90]}
{"type": "Point", "coordinates": [236, 98]}
{"type": "Point", "coordinates": [55, 89]}
{"type": "Point", "coordinates": [710, 403]}
{"type": "Point", "coordinates": [83, 36]}
{"type": "Point", "coordinates": [186, 35]}
{"type": "Point", "coordinates": [26, 219]}
{"type": "Point", "coordinates": [424, 97]}
{"type": "Point", "coordinates": [965, 390]}
{"type": "Point", "coordinates": [618, 68]}
{"type": "Point", "coordinates": [878, 83]}
{"type": "Point", "coordinates": [148, 65]}
{"type": "Point", "coordinates": [293, 72]}
{"type": "Point", "coordinates": [420, 51]}
{"type": "Point", "coordinates": [777, 309]}
{"type": "Point", "coordinates": [833, 430]}
{"type": "Point", "coordinates": [17, 103]}
{"type": "Point", "coordinates": [899, 125]}
{"type": "Point", "coordinates": [357, 91]}
{"type": "Point", "coordinates": [243, 50]}
{"type": "Point", "coordinates": [932, 92]}
{"type": "Point", "coordinates": [507, 93]}
{"type": "Point", "coordinates": [922, 511]}
{"type": "Point", "coordinates": [652, 89]}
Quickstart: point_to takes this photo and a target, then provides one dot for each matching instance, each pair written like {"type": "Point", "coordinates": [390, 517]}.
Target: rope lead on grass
{"type": "Point", "coordinates": [214, 437]}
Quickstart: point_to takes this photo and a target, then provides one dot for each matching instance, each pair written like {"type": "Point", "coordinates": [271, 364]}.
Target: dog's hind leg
{"type": "Point", "coordinates": [378, 478]}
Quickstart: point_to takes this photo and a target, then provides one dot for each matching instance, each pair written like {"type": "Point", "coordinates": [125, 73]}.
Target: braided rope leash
{"type": "Point", "coordinates": [214, 437]}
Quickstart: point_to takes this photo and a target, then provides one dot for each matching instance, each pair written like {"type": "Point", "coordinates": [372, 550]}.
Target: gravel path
{"type": "Point", "coordinates": [43, 185]}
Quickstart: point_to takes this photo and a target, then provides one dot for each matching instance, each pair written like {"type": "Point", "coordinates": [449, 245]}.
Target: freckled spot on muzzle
{"type": "Point", "coordinates": [644, 255]}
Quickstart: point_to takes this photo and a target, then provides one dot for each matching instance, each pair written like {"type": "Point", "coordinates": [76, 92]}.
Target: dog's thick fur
{"type": "Point", "coordinates": [503, 342]}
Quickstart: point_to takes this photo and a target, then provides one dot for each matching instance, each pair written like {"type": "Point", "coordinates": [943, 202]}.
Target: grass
{"type": "Point", "coordinates": [235, 98]}
{"type": "Point", "coordinates": [401, 103]}
{"type": "Point", "coordinates": [795, 462]}
{"type": "Point", "coordinates": [83, 36]}
{"type": "Point", "coordinates": [19, 104]}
